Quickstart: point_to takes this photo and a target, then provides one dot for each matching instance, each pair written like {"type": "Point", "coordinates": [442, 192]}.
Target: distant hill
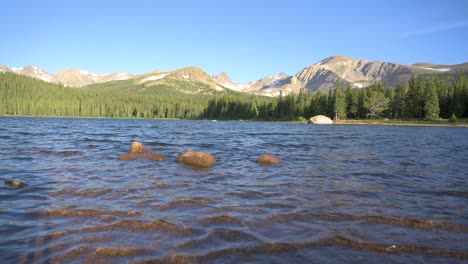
{"type": "Point", "coordinates": [320, 76]}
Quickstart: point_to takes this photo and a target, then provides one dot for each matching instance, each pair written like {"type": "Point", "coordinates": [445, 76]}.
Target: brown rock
{"type": "Point", "coordinates": [137, 148]}
{"type": "Point", "coordinates": [197, 159]}
{"type": "Point", "coordinates": [139, 151]}
{"type": "Point", "coordinates": [269, 159]}
{"type": "Point", "coordinates": [16, 183]}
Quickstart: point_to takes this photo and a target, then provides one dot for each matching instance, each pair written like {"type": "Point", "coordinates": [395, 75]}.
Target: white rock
{"type": "Point", "coordinates": [320, 120]}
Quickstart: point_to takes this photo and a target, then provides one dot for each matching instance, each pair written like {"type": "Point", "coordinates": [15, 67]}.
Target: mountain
{"type": "Point", "coordinates": [31, 71]}
{"type": "Point", "coordinates": [321, 76]}
{"type": "Point", "coordinates": [78, 78]}
{"type": "Point", "coordinates": [187, 80]}
{"type": "Point", "coordinates": [70, 77]}
{"type": "Point", "coordinates": [224, 80]}
{"type": "Point", "coordinates": [324, 74]}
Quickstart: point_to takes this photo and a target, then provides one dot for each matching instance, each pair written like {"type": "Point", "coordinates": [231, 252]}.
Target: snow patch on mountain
{"type": "Point", "coordinates": [433, 69]}
{"type": "Point", "coordinates": [154, 77]}
{"type": "Point", "coordinates": [123, 76]}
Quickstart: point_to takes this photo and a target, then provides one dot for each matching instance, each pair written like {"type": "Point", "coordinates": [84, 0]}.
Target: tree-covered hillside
{"type": "Point", "coordinates": [422, 97]}
{"type": "Point", "coordinates": [21, 95]}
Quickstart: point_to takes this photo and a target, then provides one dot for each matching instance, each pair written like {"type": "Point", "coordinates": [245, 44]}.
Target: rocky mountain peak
{"type": "Point", "coordinates": [334, 59]}
{"type": "Point", "coordinates": [222, 78]}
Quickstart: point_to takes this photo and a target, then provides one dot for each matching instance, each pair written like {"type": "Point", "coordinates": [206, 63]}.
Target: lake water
{"type": "Point", "coordinates": [378, 194]}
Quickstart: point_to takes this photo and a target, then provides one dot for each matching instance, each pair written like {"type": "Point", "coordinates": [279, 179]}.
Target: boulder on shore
{"type": "Point", "coordinates": [197, 159]}
{"type": "Point", "coordinates": [320, 120]}
{"type": "Point", "coordinates": [139, 151]}
{"type": "Point", "coordinates": [269, 159]}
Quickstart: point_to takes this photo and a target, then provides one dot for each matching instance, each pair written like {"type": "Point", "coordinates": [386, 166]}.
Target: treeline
{"type": "Point", "coordinates": [421, 97]}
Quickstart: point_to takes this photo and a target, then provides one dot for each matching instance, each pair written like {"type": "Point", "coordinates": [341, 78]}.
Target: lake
{"type": "Point", "coordinates": [344, 193]}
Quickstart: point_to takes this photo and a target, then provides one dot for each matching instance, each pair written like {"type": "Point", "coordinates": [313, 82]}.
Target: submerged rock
{"type": "Point", "coordinates": [197, 159]}
{"type": "Point", "coordinates": [139, 151]}
{"type": "Point", "coordinates": [269, 159]}
{"type": "Point", "coordinates": [320, 120]}
{"type": "Point", "coordinates": [16, 184]}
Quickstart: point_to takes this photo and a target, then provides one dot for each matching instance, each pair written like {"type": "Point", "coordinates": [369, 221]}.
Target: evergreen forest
{"type": "Point", "coordinates": [419, 98]}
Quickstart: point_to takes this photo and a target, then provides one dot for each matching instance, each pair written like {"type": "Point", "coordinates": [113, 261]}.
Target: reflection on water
{"type": "Point", "coordinates": [343, 193]}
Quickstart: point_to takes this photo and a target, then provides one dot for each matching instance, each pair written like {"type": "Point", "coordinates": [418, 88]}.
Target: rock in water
{"type": "Point", "coordinates": [197, 159]}
{"type": "Point", "coordinates": [16, 184]}
{"type": "Point", "coordinates": [139, 151]}
{"type": "Point", "coordinates": [320, 120]}
{"type": "Point", "coordinates": [269, 159]}
{"type": "Point", "coordinates": [137, 148]}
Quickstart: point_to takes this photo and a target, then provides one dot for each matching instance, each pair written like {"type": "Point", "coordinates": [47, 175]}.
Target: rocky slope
{"type": "Point", "coordinates": [324, 74]}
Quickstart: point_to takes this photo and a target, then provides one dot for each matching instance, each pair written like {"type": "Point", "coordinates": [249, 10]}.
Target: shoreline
{"type": "Point", "coordinates": [422, 123]}
{"type": "Point", "coordinates": [400, 123]}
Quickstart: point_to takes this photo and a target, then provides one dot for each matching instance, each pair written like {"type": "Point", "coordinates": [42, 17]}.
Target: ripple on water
{"type": "Point", "coordinates": [72, 212]}
{"type": "Point", "coordinates": [83, 192]}
{"type": "Point", "coordinates": [338, 196]}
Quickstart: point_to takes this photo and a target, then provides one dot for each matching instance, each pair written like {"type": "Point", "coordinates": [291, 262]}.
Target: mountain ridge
{"type": "Point", "coordinates": [320, 76]}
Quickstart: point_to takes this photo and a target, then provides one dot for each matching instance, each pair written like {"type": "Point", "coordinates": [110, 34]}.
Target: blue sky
{"type": "Point", "coordinates": [248, 39]}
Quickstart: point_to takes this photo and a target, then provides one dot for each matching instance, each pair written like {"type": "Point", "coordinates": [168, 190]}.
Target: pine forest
{"type": "Point", "coordinates": [419, 98]}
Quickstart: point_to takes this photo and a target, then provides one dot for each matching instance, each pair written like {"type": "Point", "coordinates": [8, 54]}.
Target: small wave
{"type": "Point", "coordinates": [23, 158]}
{"type": "Point", "coordinates": [38, 256]}
{"type": "Point", "coordinates": [455, 193]}
{"type": "Point", "coordinates": [338, 217]}
{"type": "Point", "coordinates": [159, 144]}
{"type": "Point", "coordinates": [247, 195]}
{"type": "Point", "coordinates": [87, 192]}
{"type": "Point", "coordinates": [120, 251]}
{"type": "Point", "coordinates": [101, 134]}
{"type": "Point", "coordinates": [178, 204]}
{"type": "Point", "coordinates": [68, 153]}
{"type": "Point", "coordinates": [25, 133]}
{"type": "Point", "coordinates": [187, 203]}
{"type": "Point", "coordinates": [222, 219]}
{"type": "Point", "coordinates": [412, 223]}
{"type": "Point", "coordinates": [86, 139]}
{"type": "Point", "coordinates": [333, 241]}
{"type": "Point", "coordinates": [132, 225]}
{"type": "Point", "coordinates": [68, 212]}
{"type": "Point", "coordinates": [220, 238]}
{"type": "Point", "coordinates": [160, 185]}
{"type": "Point", "coordinates": [276, 206]}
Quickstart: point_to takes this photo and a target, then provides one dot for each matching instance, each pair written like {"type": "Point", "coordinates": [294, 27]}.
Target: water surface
{"type": "Point", "coordinates": [343, 194]}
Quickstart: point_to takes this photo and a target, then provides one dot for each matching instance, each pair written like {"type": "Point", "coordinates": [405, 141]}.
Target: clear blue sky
{"type": "Point", "coordinates": [248, 39]}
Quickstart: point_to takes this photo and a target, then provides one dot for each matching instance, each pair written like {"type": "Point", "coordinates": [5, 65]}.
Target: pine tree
{"type": "Point", "coordinates": [339, 102]}
{"type": "Point", "coordinates": [431, 102]}
{"type": "Point", "coordinates": [415, 98]}
{"type": "Point", "coordinates": [301, 103]}
{"type": "Point", "coordinates": [352, 98]}
{"type": "Point", "coordinates": [376, 103]}
{"type": "Point", "coordinates": [399, 100]}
